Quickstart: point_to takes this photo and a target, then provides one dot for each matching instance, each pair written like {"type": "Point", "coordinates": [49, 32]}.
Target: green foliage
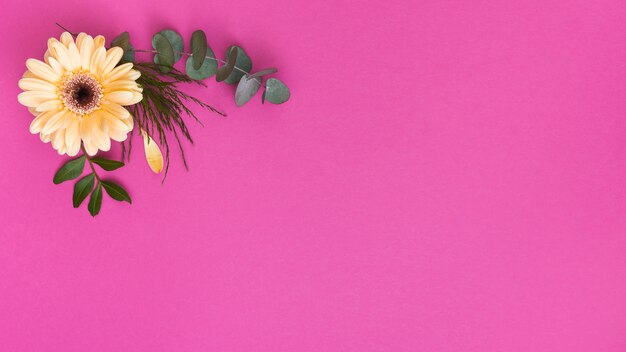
{"type": "Point", "coordinates": [199, 48]}
{"type": "Point", "coordinates": [208, 69]}
{"type": "Point", "coordinates": [163, 107]}
{"type": "Point", "coordinates": [106, 164]}
{"type": "Point", "coordinates": [116, 191]}
{"type": "Point", "coordinates": [95, 201]}
{"type": "Point", "coordinates": [243, 62]}
{"type": "Point", "coordinates": [165, 53]}
{"type": "Point", "coordinates": [82, 188]}
{"type": "Point", "coordinates": [71, 170]}
{"type": "Point", "coordinates": [123, 41]}
{"type": "Point", "coordinates": [276, 92]}
{"type": "Point", "coordinates": [246, 89]}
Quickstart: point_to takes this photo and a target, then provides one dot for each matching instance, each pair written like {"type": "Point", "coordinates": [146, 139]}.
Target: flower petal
{"type": "Point", "coordinates": [38, 122]}
{"type": "Point", "coordinates": [97, 59]}
{"type": "Point", "coordinates": [34, 98]}
{"type": "Point", "coordinates": [153, 153]}
{"type": "Point", "coordinates": [42, 70]}
{"type": "Point", "coordinates": [117, 73]}
{"type": "Point", "coordinates": [113, 56]}
{"type": "Point", "coordinates": [55, 122]}
{"type": "Point", "coordinates": [67, 39]}
{"type": "Point", "coordinates": [36, 84]}
{"type": "Point", "coordinates": [50, 105]}
{"type": "Point", "coordinates": [86, 51]}
{"type": "Point", "coordinates": [120, 97]}
{"type": "Point", "coordinates": [74, 55]}
{"type": "Point", "coordinates": [72, 138]}
{"type": "Point", "coordinates": [116, 110]}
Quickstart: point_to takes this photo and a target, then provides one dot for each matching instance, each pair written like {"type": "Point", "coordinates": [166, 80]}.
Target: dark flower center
{"type": "Point", "coordinates": [81, 93]}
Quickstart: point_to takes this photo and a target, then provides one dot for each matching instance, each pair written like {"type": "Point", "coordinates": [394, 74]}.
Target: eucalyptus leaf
{"type": "Point", "coordinates": [267, 71]}
{"type": "Point", "coordinates": [71, 170]}
{"type": "Point", "coordinates": [176, 41]}
{"type": "Point", "coordinates": [246, 89]}
{"type": "Point", "coordinates": [116, 191]}
{"type": "Point", "coordinates": [226, 70]}
{"type": "Point", "coordinates": [82, 189]}
{"type": "Point", "coordinates": [95, 201]}
{"type": "Point", "coordinates": [106, 164]}
{"type": "Point", "coordinates": [276, 92]}
{"type": "Point", "coordinates": [165, 53]}
{"type": "Point", "coordinates": [198, 48]}
{"type": "Point", "coordinates": [243, 62]}
{"type": "Point", "coordinates": [123, 41]}
{"type": "Point", "coordinates": [208, 69]}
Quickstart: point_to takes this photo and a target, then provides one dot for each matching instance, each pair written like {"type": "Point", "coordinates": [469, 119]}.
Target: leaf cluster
{"type": "Point", "coordinates": [91, 184]}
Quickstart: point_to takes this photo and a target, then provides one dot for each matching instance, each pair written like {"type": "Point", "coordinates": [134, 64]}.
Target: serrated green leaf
{"type": "Point", "coordinates": [82, 189]}
{"type": "Point", "coordinates": [208, 69]}
{"type": "Point", "coordinates": [246, 89]}
{"type": "Point", "coordinates": [243, 62]}
{"type": "Point", "coordinates": [95, 201]}
{"type": "Point", "coordinates": [116, 191]}
{"type": "Point", "coordinates": [225, 71]}
{"type": "Point", "coordinates": [106, 164]}
{"type": "Point", "coordinates": [165, 53]}
{"type": "Point", "coordinates": [198, 48]}
{"type": "Point", "coordinates": [71, 170]}
{"type": "Point", "coordinates": [276, 92]}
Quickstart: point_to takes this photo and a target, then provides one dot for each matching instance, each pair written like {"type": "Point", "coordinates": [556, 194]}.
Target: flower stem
{"type": "Point", "coordinates": [93, 169]}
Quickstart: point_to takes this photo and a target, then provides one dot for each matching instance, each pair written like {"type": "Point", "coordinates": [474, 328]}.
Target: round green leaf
{"type": "Point", "coordinates": [276, 92]}
{"type": "Point", "coordinates": [243, 62]}
{"type": "Point", "coordinates": [176, 41]}
{"type": "Point", "coordinates": [82, 189]}
{"type": "Point", "coordinates": [71, 170]}
{"type": "Point", "coordinates": [208, 69]}
{"type": "Point", "coordinates": [246, 89]}
{"type": "Point", "coordinates": [226, 69]}
{"type": "Point", "coordinates": [198, 48]}
{"type": "Point", "coordinates": [165, 53]}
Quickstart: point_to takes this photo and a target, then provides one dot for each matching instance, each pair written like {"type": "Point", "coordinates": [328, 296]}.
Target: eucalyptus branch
{"type": "Point", "coordinates": [206, 57]}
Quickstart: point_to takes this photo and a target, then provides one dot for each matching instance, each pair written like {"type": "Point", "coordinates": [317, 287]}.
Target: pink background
{"type": "Point", "coordinates": [448, 176]}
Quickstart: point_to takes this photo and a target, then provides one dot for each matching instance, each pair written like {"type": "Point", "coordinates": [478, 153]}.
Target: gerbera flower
{"type": "Point", "coordinates": [78, 94]}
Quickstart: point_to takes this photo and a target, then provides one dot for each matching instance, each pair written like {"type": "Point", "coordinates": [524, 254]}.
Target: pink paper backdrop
{"type": "Point", "coordinates": [448, 176]}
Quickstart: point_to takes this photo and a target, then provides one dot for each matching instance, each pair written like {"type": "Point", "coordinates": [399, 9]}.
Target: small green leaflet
{"type": "Point", "coordinates": [82, 188]}
{"type": "Point", "coordinates": [71, 170]}
{"type": "Point", "coordinates": [116, 191]}
{"type": "Point", "coordinates": [95, 202]}
{"type": "Point", "coordinates": [106, 164]}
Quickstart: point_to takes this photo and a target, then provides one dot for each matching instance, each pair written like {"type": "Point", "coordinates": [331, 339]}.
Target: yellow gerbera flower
{"type": "Point", "coordinates": [78, 94]}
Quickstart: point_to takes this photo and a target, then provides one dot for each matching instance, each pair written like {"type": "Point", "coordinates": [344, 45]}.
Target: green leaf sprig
{"type": "Point", "coordinates": [91, 183]}
{"type": "Point", "coordinates": [202, 63]}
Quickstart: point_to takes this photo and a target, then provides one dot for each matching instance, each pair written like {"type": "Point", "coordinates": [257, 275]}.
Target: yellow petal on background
{"type": "Point", "coordinates": [55, 122]}
{"type": "Point", "coordinates": [86, 49]}
{"type": "Point", "coordinates": [66, 39]}
{"type": "Point", "coordinates": [72, 138]}
{"type": "Point", "coordinates": [50, 105]}
{"type": "Point", "coordinates": [74, 55]}
{"type": "Point", "coordinates": [63, 56]}
{"type": "Point", "coordinates": [33, 98]}
{"type": "Point", "coordinates": [113, 56]}
{"type": "Point", "coordinates": [79, 38]}
{"type": "Point", "coordinates": [42, 70]}
{"type": "Point", "coordinates": [97, 59]}
{"type": "Point", "coordinates": [153, 153]}
{"type": "Point", "coordinates": [98, 41]}
{"type": "Point", "coordinates": [37, 124]}
{"type": "Point", "coordinates": [120, 97]}
{"type": "Point", "coordinates": [117, 73]}
{"type": "Point", "coordinates": [36, 84]}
